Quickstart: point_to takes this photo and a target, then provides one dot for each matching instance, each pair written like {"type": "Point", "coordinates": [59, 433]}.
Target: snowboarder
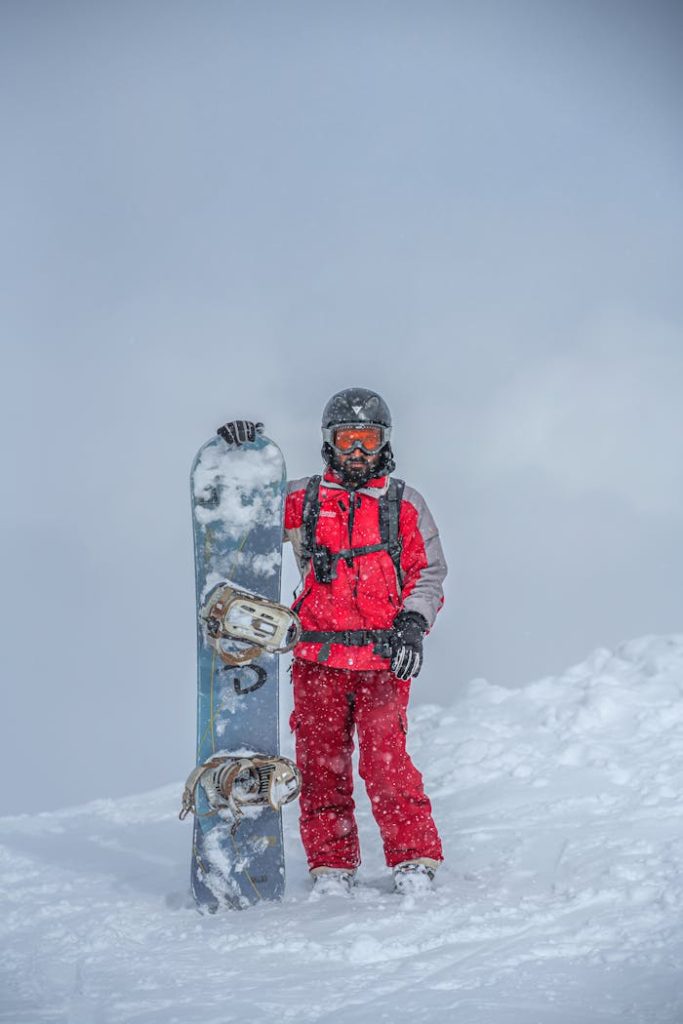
{"type": "Point", "coordinates": [372, 569]}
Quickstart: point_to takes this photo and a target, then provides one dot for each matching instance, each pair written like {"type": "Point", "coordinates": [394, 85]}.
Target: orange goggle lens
{"type": "Point", "coordinates": [368, 438]}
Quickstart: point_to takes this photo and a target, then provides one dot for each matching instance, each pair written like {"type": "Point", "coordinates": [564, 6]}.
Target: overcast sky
{"type": "Point", "coordinates": [221, 209]}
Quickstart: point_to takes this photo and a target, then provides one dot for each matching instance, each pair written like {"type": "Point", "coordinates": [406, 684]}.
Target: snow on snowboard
{"type": "Point", "coordinates": [240, 782]}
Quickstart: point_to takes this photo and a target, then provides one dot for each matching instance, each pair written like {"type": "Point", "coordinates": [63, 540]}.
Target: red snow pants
{"type": "Point", "coordinates": [329, 703]}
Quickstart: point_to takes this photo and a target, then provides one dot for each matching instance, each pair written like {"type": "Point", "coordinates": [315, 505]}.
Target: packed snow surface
{"type": "Point", "coordinates": [560, 902]}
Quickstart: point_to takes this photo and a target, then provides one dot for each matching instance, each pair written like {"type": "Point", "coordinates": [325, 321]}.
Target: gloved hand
{"type": "Point", "coordinates": [238, 432]}
{"type": "Point", "coordinates": [406, 644]}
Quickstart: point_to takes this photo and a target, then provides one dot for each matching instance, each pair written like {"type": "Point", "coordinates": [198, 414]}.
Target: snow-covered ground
{"type": "Point", "coordinates": [561, 900]}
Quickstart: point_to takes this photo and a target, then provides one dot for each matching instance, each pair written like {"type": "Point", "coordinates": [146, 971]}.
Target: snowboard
{"type": "Point", "coordinates": [237, 511]}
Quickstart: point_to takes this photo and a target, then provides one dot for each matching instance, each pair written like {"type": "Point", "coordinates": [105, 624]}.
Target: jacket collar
{"type": "Point", "coordinates": [375, 488]}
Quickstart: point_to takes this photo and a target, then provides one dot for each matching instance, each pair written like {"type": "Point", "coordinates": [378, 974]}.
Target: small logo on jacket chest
{"type": "Point", "coordinates": [328, 514]}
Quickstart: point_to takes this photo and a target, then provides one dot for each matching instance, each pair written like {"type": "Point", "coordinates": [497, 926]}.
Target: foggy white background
{"type": "Point", "coordinates": [222, 209]}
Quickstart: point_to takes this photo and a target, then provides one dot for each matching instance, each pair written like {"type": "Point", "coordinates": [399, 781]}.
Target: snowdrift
{"type": "Point", "coordinates": [560, 901]}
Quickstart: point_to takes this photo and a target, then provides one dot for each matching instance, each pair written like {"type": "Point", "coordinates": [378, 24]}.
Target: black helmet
{"type": "Point", "coordinates": [356, 406]}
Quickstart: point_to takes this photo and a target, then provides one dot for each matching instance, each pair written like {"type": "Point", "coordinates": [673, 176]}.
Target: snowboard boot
{"type": "Point", "coordinates": [415, 877]}
{"type": "Point", "coordinates": [332, 882]}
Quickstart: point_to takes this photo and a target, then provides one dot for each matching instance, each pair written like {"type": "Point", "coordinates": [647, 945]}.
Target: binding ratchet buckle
{"type": "Point", "coordinates": [238, 617]}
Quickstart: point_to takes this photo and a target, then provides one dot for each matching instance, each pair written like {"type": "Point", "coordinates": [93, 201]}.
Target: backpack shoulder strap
{"type": "Point", "coordinates": [311, 514]}
{"type": "Point", "coordinates": [389, 513]}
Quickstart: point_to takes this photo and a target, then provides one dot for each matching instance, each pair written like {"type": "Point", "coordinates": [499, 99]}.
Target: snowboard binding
{"type": "Point", "coordinates": [237, 617]}
{"type": "Point", "coordinates": [235, 783]}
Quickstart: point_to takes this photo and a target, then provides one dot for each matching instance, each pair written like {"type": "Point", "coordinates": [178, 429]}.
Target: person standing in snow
{"type": "Point", "coordinates": [372, 570]}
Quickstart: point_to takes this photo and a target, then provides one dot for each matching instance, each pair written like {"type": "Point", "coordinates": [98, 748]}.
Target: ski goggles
{"type": "Point", "coordinates": [345, 438]}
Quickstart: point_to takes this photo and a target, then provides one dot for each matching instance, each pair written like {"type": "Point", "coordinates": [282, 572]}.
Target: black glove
{"type": "Point", "coordinates": [240, 431]}
{"type": "Point", "coordinates": [406, 644]}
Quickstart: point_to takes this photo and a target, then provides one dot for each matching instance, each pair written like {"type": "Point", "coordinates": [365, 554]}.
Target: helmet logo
{"type": "Point", "coordinates": [357, 409]}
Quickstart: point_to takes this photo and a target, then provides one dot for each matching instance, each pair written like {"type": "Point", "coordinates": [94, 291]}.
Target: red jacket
{"type": "Point", "coordinates": [366, 594]}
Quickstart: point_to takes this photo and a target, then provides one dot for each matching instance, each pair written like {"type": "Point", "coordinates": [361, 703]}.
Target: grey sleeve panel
{"type": "Point", "coordinates": [426, 597]}
{"type": "Point", "coordinates": [297, 485]}
{"type": "Point", "coordinates": [295, 536]}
